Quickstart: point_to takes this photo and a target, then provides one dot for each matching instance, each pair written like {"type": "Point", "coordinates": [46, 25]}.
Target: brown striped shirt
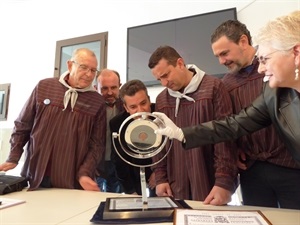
{"type": "Point", "coordinates": [265, 144]}
{"type": "Point", "coordinates": [73, 142]}
{"type": "Point", "coordinates": [192, 173]}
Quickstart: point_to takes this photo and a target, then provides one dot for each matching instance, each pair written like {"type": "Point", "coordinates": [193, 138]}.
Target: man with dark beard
{"type": "Point", "coordinates": [262, 154]}
{"type": "Point", "coordinates": [108, 85]}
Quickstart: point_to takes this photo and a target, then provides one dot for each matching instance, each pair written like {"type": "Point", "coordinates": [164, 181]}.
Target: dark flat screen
{"type": "Point", "coordinates": [190, 36]}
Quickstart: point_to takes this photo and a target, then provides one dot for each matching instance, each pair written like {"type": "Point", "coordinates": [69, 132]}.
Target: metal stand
{"type": "Point", "coordinates": [144, 186]}
{"type": "Point", "coordinates": [136, 139]}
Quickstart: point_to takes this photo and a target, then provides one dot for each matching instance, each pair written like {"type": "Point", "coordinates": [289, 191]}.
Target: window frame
{"type": "Point", "coordinates": [4, 105]}
{"type": "Point", "coordinates": [102, 37]}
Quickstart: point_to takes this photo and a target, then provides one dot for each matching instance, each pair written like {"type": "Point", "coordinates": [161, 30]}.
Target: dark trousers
{"type": "Point", "coordinates": [109, 182]}
{"type": "Point", "coordinates": [268, 185]}
{"type": "Point", "coordinates": [46, 182]}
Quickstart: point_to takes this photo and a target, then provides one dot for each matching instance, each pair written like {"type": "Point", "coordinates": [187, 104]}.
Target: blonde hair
{"type": "Point", "coordinates": [282, 33]}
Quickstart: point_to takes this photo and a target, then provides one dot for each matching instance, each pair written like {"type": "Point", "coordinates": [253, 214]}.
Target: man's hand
{"type": "Point", "coordinates": [241, 160]}
{"type": "Point", "coordinates": [171, 130]}
{"type": "Point", "coordinates": [152, 181]}
{"type": "Point", "coordinates": [88, 184]}
{"type": "Point", "coordinates": [7, 166]}
{"type": "Point", "coordinates": [163, 189]}
{"type": "Point", "coordinates": [218, 196]}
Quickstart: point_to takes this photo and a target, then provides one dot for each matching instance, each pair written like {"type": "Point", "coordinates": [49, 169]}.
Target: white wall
{"type": "Point", "coordinates": [30, 29]}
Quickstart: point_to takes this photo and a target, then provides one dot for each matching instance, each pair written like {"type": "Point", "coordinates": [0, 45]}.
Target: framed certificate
{"type": "Point", "coordinates": [217, 217]}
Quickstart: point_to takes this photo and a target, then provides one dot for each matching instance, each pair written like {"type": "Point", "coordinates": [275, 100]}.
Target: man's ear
{"type": "Point", "coordinates": [125, 107]}
{"type": "Point", "coordinates": [244, 40]}
{"type": "Point", "coordinates": [180, 62]}
{"type": "Point", "coordinates": [69, 65]}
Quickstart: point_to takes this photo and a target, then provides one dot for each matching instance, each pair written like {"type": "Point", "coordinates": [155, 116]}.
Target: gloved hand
{"type": "Point", "coordinates": [171, 130]}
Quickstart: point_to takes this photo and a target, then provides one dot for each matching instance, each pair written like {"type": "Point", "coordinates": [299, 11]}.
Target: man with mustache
{"type": "Point", "coordinates": [108, 85]}
{"type": "Point", "coordinates": [262, 154]}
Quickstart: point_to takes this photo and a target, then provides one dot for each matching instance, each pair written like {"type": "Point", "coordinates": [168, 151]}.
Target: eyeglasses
{"type": "Point", "coordinates": [85, 68]}
{"type": "Point", "coordinates": [263, 59]}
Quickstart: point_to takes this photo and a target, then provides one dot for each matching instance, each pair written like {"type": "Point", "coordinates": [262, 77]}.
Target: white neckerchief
{"type": "Point", "coordinates": [192, 86]}
{"type": "Point", "coordinates": [71, 93]}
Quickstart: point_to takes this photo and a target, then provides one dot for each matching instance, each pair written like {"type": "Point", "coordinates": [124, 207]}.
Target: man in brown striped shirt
{"type": "Point", "coordinates": [63, 124]}
{"type": "Point", "coordinates": [108, 85]}
{"type": "Point", "coordinates": [267, 170]}
{"type": "Point", "coordinates": [191, 97]}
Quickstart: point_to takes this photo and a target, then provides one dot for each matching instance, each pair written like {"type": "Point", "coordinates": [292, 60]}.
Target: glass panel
{"type": "Point", "coordinates": [2, 94]}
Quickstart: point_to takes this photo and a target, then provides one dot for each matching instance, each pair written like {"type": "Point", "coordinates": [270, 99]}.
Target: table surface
{"type": "Point", "coordinates": [63, 206]}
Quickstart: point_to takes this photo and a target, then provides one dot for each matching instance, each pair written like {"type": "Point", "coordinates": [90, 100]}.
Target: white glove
{"type": "Point", "coordinates": [171, 130]}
